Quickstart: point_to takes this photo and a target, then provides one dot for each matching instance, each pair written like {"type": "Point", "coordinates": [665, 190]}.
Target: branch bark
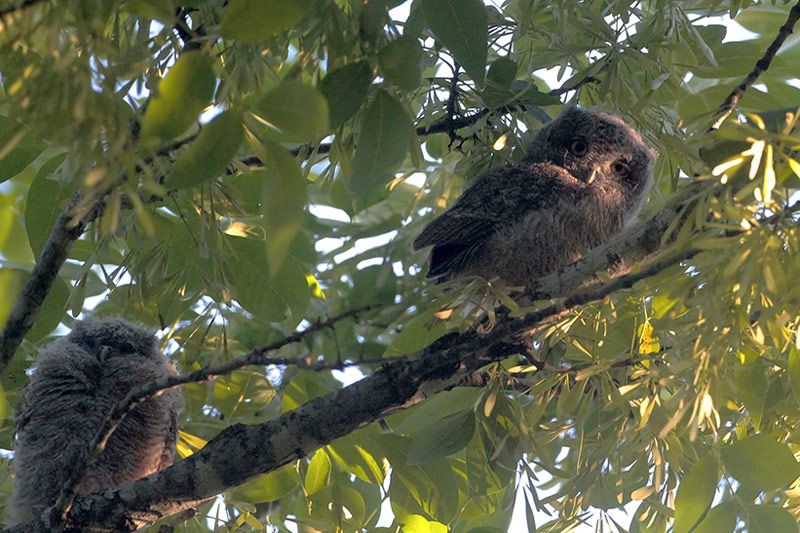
{"type": "Point", "coordinates": [761, 66]}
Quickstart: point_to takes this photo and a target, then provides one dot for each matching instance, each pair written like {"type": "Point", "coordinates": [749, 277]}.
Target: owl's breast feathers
{"type": "Point", "coordinates": [519, 222]}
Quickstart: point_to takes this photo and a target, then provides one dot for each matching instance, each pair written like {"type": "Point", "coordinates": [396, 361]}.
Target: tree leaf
{"type": "Point", "coordinates": [461, 25]}
{"type": "Point", "coordinates": [356, 459]}
{"type": "Point", "coordinates": [401, 63]}
{"type": "Point", "coordinates": [18, 148]}
{"type": "Point", "coordinates": [794, 372]}
{"type": "Point", "coordinates": [209, 154]}
{"type": "Point", "coordinates": [346, 88]}
{"type": "Point", "coordinates": [46, 199]}
{"type": "Point", "coordinates": [386, 132]}
{"type": "Point", "coordinates": [419, 524]}
{"type": "Point", "coordinates": [760, 462]}
{"type": "Point", "coordinates": [442, 438]}
{"type": "Point", "coordinates": [720, 519]}
{"type": "Point", "coordinates": [284, 203]}
{"type": "Point", "coordinates": [268, 487]}
{"type": "Point", "coordinates": [282, 297]}
{"type": "Point", "coordinates": [770, 518]}
{"type": "Point", "coordinates": [251, 21]}
{"type": "Point", "coordinates": [752, 386]}
{"type": "Point", "coordinates": [182, 94]}
{"type": "Point", "coordinates": [695, 493]}
{"type": "Point", "coordinates": [298, 109]}
{"type": "Point", "coordinates": [319, 472]}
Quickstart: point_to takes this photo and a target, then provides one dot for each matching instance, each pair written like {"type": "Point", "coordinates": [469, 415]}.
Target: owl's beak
{"type": "Point", "coordinates": [591, 177]}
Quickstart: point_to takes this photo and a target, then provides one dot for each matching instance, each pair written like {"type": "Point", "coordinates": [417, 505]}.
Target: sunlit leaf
{"type": "Point", "coordinates": [319, 472]}
{"type": "Point", "coordinates": [181, 95]}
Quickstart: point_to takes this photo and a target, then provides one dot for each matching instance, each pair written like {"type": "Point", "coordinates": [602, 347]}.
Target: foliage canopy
{"type": "Point", "coordinates": [234, 171]}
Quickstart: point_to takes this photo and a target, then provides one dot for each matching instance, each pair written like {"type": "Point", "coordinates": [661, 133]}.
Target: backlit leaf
{"type": "Point", "coordinates": [251, 21]}
{"type": "Point", "coordinates": [760, 462]}
{"type": "Point", "coordinates": [299, 110]}
{"type": "Point", "coordinates": [181, 95]}
{"type": "Point", "coordinates": [695, 493]}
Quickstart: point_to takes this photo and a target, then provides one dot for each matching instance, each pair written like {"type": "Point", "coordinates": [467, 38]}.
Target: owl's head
{"type": "Point", "coordinates": [597, 148]}
{"type": "Point", "coordinates": [121, 336]}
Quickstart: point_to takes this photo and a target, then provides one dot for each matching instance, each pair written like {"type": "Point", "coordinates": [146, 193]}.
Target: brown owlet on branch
{"type": "Point", "coordinates": [585, 175]}
{"type": "Point", "coordinates": [78, 380]}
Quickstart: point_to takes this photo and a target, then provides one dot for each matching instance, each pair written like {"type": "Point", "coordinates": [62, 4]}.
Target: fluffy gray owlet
{"type": "Point", "coordinates": [584, 177]}
{"type": "Point", "coordinates": [78, 380]}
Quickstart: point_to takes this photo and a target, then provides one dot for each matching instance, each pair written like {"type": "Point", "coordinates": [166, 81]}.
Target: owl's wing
{"type": "Point", "coordinates": [497, 198]}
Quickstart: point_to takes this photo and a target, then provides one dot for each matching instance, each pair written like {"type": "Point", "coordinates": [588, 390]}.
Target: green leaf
{"type": "Point", "coordinates": [18, 148]}
{"type": "Point", "coordinates": [346, 88]}
{"type": "Point", "coordinates": [695, 493]}
{"type": "Point", "coordinates": [502, 72]}
{"type": "Point", "coordinates": [356, 459]}
{"type": "Point", "coordinates": [282, 297]}
{"type": "Point", "coordinates": [794, 372]}
{"type": "Point", "coordinates": [752, 385]}
{"type": "Point", "coordinates": [416, 334]}
{"type": "Point", "coordinates": [383, 142]}
{"type": "Point", "coordinates": [269, 487]}
{"type": "Point", "coordinates": [720, 519]}
{"type": "Point", "coordinates": [760, 462]}
{"type": "Point", "coordinates": [772, 518]}
{"type": "Point", "coordinates": [443, 404]}
{"type": "Point", "coordinates": [284, 203]}
{"type": "Point", "coordinates": [401, 61]}
{"type": "Point", "coordinates": [46, 198]}
{"type": "Point", "coordinates": [319, 472]}
{"type": "Point", "coordinates": [461, 25]}
{"type": "Point", "coordinates": [442, 438]}
{"type": "Point", "coordinates": [419, 524]}
{"type": "Point", "coordinates": [160, 10]}
{"type": "Point", "coordinates": [251, 21]}
{"type": "Point", "coordinates": [299, 110]}
{"type": "Point", "coordinates": [183, 93]}
{"type": "Point", "coordinates": [209, 154]}
{"type": "Point", "coordinates": [51, 312]}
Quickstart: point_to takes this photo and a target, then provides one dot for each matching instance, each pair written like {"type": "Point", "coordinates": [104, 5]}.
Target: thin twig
{"type": "Point", "coordinates": [761, 66]}
{"type": "Point", "coordinates": [57, 514]}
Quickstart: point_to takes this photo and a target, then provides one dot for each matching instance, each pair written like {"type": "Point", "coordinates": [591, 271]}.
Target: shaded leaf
{"type": "Point", "coordinates": [770, 518]}
{"type": "Point", "coordinates": [210, 153]}
{"type": "Point", "coordinates": [268, 487]}
{"type": "Point", "coordinates": [401, 61]}
{"type": "Point", "coordinates": [284, 203]}
{"type": "Point", "coordinates": [461, 25]}
{"type": "Point", "coordinates": [720, 519]}
{"type": "Point", "coordinates": [383, 142]}
{"type": "Point", "coordinates": [346, 88]}
{"type": "Point", "coordinates": [442, 438]}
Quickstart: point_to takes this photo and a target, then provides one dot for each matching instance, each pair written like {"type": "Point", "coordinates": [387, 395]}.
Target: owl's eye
{"type": "Point", "coordinates": [578, 147]}
{"type": "Point", "coordinates": [620, 167]}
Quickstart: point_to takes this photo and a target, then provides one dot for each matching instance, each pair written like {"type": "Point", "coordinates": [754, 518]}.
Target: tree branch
{"type": "Point", "coordinates": [761, 66]}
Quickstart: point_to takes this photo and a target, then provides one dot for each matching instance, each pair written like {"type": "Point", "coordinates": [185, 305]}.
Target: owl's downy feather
{"type": "Point", "coordinates": [584, 177]}
{"type": "Point", "coordinates": [78, 380]}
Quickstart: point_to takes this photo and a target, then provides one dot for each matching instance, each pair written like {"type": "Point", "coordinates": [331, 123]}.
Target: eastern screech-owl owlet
{"type": "Point", "coordinates": [78, 380]}
{"type": "Point", "coordinates": [585, 176]}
